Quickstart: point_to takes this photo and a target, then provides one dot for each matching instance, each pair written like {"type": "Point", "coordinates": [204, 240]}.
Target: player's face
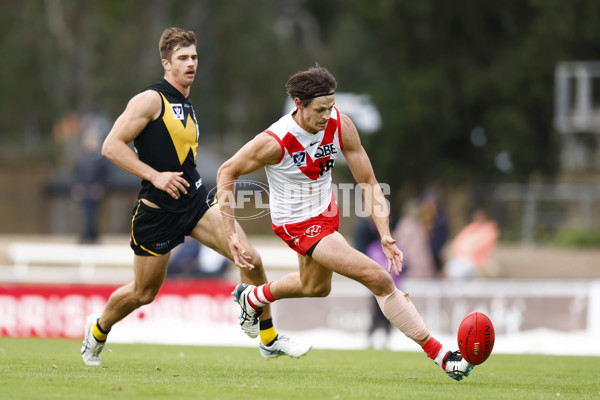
{"type": "Point", "coordinates": [182, 65]}
{"type": "Point", "coordinates": [315, 116]}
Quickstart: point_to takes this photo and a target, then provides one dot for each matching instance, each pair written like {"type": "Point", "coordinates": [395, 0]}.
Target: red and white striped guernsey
{"type": "Point", "coordinates": [300, 182]}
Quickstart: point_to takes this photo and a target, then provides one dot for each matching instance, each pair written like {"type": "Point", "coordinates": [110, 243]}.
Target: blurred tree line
{"type": "Point", "coordinates": [465, 88]}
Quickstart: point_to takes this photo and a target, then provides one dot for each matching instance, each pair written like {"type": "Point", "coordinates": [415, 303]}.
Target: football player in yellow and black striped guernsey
{"type": "Point", "coordinates": [173, 202]}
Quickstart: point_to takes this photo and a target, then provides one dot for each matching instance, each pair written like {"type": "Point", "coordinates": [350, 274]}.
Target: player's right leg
{"type": "Point", "coordinates": [313, 280]}
{"type": "Point", "coordinates": [149, 275]}
{"type": "Point", "coordinates": [249, 312]}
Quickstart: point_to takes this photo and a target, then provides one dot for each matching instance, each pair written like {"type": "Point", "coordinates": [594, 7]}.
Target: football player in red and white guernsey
{"type": "Point", "coordinates": [173, 203]}
{"type": "Point", "coordinates": [298, 152]}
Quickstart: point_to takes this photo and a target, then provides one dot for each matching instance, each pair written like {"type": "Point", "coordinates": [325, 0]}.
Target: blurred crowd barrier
{"type": "Point", "coordinates": [202, 312]}
{"type": "Point", "coordinates": [540, 299]}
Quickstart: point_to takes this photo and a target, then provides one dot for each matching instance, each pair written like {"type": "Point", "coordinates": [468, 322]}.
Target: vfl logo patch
{"type": "Point", "coordinates": [313, 231]}
{"type": "Point", "coordinates": [299, 159]}
{"type": "Point", "coordinates": [177, 111]}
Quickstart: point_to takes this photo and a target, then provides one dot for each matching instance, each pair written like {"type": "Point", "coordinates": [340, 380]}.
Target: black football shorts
{"type": "Point", "coordinates": [155, 232]}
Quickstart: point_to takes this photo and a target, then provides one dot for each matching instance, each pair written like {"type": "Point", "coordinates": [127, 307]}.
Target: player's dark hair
{"type": "Point", "coordinates": [314, 82]}
{"type": "Point", "coordinates": [172, 39]}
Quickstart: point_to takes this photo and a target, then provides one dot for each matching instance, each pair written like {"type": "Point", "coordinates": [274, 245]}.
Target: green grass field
{"type": "Point", "coordinates": [53, 369]}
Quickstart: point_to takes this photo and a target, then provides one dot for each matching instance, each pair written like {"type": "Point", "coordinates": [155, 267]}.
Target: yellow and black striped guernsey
{"type": "Point", "coordinates": [169, 143]}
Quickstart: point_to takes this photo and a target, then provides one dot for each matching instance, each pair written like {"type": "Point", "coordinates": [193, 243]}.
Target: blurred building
{"type": "Point", "coordinates": [539, 212]}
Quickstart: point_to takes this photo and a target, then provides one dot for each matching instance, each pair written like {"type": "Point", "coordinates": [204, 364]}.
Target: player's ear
{"type": "Point", "coordinates": [298, 102]}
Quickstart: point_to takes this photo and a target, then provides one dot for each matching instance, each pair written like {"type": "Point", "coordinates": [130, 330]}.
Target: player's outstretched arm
{"type": "Point", "coordinates": [260, 151]}
{"type": "Point", "coordinates": [362, 170]}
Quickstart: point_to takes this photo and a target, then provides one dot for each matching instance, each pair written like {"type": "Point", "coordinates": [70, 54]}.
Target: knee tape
{"type": "Point", "coordinates": [401, 312]}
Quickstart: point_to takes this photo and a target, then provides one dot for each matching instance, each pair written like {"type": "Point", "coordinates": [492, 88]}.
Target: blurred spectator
{"type": "Point", "coordinates": [473, 247]}
{"type": "Point", "coordinates": [435, 222]}
{"type": "Point", "coordinates": [364, 234]}
{"type": "Point", "coordinates": [413, 240]}
{"type": "Point", "coordinates": [66, 132]}
{"type": "Point", "coordinates": [192, 259]}
{"type": "Point", "coordinates": [90, 181]}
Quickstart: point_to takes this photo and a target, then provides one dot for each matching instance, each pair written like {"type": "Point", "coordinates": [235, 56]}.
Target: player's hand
{"type": "Point", "coordinates": [238, 252]}
{"type": "Point", "coordinates": [393, 254]}
{"type": "Point", "coordinates": [172, 183]}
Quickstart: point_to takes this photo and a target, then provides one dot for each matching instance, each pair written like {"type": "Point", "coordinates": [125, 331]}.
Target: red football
{"type": "Point", "coordinates": [476, 338]}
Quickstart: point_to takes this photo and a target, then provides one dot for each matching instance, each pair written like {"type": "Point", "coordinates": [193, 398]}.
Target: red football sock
{"type": "Point", "coordinates": [261, 296]}
{"type": "Point", "coordinates": [435, 351]}
{"type": "Point", "coordinates": [432, 348]}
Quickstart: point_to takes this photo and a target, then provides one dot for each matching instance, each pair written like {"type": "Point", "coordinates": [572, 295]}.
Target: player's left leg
{"type": "Point", "coordinates": [211, 232]}
{"type": "Point", "coordinates": [336, 254]}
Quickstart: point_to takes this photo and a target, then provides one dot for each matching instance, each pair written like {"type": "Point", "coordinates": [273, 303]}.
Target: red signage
{"type": "Point", "coordinates": [60, 310]}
